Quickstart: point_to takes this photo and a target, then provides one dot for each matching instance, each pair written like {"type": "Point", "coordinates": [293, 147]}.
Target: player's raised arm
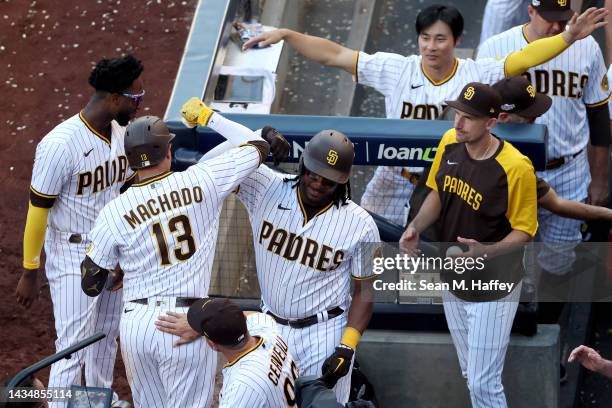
{"type": "Point", "coordinates": [318, 49]}
{"type": "Point", "coordinates": [542, 50]}
{"type": "Point", "coordinates": [195, 112]}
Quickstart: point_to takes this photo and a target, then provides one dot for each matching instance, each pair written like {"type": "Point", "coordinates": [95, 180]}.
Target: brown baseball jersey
{"type": "Point", "coordinates": [484, 200]}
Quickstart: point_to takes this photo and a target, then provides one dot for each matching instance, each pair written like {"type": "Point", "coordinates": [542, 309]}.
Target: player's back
{"type": "Point", "coordinates": [263, 377]}
{"type": "Point", "coordinates": [166, 230]}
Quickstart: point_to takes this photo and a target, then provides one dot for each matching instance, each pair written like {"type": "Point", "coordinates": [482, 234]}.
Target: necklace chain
{"type": "Point", "coordinates": [487, 150]}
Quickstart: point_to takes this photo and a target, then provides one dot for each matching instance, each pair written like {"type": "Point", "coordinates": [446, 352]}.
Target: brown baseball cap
{"type": "Point", "coordinates": [220, 320]}
{"type": "Point", "coordinates": [553, 10]}
{"type": "Point", "coordinates": [477, 99]}
{"type": "Point", "coordinates": [520, 97]}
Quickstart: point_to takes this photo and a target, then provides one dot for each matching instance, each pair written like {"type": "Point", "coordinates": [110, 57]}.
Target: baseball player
{"type": "Point", "coordinates": [260, 372]}
{"type": "Point", "coordinates": [483, 191]}
{"type": "Point", "coordinates": [576, 81]}
{"type": "Point", "coordinates": [416, 86]}
{"type": "Point", "coordinates": [162, 231]}
{"type": "Point", "coordinates": [310, 240]}
{"type": "Point", "coordinates": [79, 167]}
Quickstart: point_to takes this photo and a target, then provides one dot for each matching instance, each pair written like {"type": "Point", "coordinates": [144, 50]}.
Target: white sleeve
{"type": "Point", "coordinates": [366, 250]}
{"type": "Point", "coordinates": [490, 70]}
{"type": "Point", "coordinates": [229, 169]}
{"type": "Point", "coordinates": [234, 132]}
{"type": "Point", "coordinates": [51, 169]}
{"type": "Point", "coordinates": [255, 185]}
{"type": "Point", "coordinates": [241, 396]}
{"type": "Point", "coordinates": [381, 71]}
{"type": "Point", "coordinates": [597, 90]}
{"type": "Point", "coordinates": [103, 248]}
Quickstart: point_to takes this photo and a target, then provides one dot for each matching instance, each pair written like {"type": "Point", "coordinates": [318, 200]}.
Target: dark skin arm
{"type": "Point", "coordinates": [360, 311]}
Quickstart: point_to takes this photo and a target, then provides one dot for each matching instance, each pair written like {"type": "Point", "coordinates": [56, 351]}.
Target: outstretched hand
{"type": "Point", "coordinates": [583, 25]}
{"type": "Point", "coordinates": [264, 39]}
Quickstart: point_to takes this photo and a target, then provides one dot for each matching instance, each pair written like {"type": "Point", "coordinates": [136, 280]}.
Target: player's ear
{"type": "Point", "coordinates": [503, 117]}
{"type": "Point", "coordinates": [491, 123]}
{"type": "Point", "coordinates": [458, 41]}
{"type": "Point", "coordinates": [531, 11]}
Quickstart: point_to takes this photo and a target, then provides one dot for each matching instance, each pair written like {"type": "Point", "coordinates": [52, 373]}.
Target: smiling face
{"type": "Point", "coordinates": [315, 190]}
{"type": "Point", "coordinates": [437, 46]}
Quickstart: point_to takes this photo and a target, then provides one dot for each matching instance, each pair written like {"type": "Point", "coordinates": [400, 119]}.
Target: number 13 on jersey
{"type": "Point", "coordinates": [179, 228]}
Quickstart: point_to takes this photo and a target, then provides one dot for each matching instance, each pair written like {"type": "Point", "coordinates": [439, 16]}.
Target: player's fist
{"type": "Point", "coordinates": [279, 146]}
{"type": "Point", "coordinates": [337, 365]}
{"type": "Point", "coordinates": [195, 112]}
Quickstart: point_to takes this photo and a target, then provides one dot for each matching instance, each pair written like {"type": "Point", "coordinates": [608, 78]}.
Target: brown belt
{"type": "Point", "coordinates": [560, 161]}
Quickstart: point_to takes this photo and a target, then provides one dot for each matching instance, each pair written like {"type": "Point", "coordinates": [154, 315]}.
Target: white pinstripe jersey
{"type": "Point", "coordinates": [574, 80]}
{"type": "Point", "coordinates": [304, 266]}
{"type": "Point", "coordinates": [163, 231]}
{"type": "Point", "coordinates": [263, 377]}
{"type": "Point", "coordinates": [80, 168]}
{"type": "Point", "coordinates": [408, 90]}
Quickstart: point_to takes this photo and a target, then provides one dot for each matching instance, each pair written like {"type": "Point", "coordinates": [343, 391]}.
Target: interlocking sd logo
{"type": "Point", "coordinates": [531, 90]}
{"type": "Point", "coordinates": [562, 3]}
{"type": "Point", "coordinates": [332, 157]}
{"type": "Point", "coordinates": [469, 93]}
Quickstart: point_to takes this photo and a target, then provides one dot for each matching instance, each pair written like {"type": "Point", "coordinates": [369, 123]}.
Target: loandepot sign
{"type": "Point", "coordinates": [406, 153]}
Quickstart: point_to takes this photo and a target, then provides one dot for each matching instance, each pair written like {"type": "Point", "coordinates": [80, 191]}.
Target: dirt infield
{"type": "Point", "coordinates": [47, 49]}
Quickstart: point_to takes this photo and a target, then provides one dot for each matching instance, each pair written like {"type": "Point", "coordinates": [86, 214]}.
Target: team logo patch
{"type": "Point", "coordinates": [535, 3]}
{"type": "Point", "coordinates": [531, 90]}
{"type": "Point", "coordinates": [604, 83]}
{"type": "Point", "coordinates": [562, 3]}
{"type": "Point", "coordinates": [469, 93]}
{"type": "Point", "coordinates": [508, 106]}
{"type": "Point", "coordinates": [332, 157]}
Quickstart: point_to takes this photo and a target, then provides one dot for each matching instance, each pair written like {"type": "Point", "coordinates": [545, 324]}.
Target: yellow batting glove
{"type": "Point", "coordinates": [195, 112]}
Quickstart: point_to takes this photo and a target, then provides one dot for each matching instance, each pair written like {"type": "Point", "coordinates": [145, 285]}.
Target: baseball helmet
{"type": "Point", "coordinates": [329, 154]}
{"type": "Point", "coordinates": [146, 142]}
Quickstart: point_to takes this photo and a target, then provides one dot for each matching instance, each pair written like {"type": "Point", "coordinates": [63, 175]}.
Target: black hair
{"type": "Point", "coordinates": [341, 195]}
{"type": "Point", "coordinates": [115, 75]}
{"type": "Point", "coordinates": [438, 12]}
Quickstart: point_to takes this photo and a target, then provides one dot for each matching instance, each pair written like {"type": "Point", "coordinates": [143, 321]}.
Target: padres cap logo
{"type": "Point", "coordinates": [469, 93]}
{"type": "Point", "coordinates": [531, 90]}
{"type": "Point", "coordinates": [562, 3]}
{"type": "Point", "coordinates": [332, 157]}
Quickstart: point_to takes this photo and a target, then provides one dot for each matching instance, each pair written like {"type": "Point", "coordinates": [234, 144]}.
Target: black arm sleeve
{"type": "Point", "coordinates": [93, 278]}
{"type": "Point", "coordinates": [599, 125]}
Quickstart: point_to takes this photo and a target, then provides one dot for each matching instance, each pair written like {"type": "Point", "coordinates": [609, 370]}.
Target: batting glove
{"type": "Point", "coordinates": [279, 146]}
{"type": "Point", "coordinates": [195, 112]}
{"type": "Point", "coordinates": [337, 365]}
